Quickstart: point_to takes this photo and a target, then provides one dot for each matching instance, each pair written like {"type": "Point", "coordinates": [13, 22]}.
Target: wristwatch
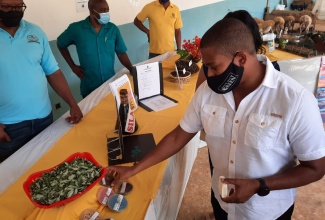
{"type": "Point", "coordinates": [263, 190]}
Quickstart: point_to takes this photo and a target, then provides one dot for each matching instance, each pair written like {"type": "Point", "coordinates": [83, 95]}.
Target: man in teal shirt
{"type": "Point", "coordinates": [97, 40]}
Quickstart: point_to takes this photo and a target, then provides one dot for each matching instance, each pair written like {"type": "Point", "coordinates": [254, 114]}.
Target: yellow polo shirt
{"type": "Point", "coordinates": [162, 25]}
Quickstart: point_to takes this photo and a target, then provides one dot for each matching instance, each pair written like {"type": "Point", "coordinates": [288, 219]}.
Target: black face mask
{"type": "Point", "coordinates": [226, 81]}
{"type": "Point", "coordinates": [11, 18]}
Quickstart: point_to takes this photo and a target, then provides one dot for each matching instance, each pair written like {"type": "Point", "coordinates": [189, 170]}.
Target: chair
{"type": "Point", "coordinates": [305, 71]}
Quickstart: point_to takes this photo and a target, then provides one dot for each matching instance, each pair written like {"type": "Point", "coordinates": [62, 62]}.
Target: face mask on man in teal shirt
{"type": "Point", "coordinates": [103, 17]}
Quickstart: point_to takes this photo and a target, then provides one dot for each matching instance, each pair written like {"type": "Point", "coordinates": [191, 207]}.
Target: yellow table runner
{"type": "Point", "coordinates": [281, 55]}
{"type": "Point", "coordinates": [90, 136]}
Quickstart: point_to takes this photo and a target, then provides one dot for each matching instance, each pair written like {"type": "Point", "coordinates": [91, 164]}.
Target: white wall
{"type": "Point", "coordinates": [54, 16]}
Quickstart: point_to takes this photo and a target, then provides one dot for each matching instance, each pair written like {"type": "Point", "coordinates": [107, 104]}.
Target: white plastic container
{"type": "Point", "coordinates": [270, 43]}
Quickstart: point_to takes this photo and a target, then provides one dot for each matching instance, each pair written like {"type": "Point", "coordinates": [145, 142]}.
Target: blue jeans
{"type": "Point", "coordinates": [20, 133]}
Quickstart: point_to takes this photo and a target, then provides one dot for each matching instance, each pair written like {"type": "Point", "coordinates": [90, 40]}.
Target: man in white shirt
{"type": "Point", "coordinates": [257, 122]}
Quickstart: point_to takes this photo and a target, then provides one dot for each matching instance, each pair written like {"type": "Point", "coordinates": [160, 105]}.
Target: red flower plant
{"type": "Point", "coordinates": [193, 47]}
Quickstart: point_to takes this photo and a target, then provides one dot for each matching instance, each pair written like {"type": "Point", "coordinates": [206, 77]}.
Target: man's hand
{"type": "Point", "coordinates": [4, 137]}
{"type": "Point", "coordinates": [78, 71]}
{"type": "Point", "coordinates": [123, 173]}
{"type": "Point", "coordinates": [75, 115]}
{"type": "Point", "coordinates": [244, 190]}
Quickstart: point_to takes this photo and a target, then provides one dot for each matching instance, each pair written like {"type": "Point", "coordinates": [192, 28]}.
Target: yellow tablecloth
{"type": "Point", "coordinates": [90, 136]}
{"type": "Point", "coordinates": [281, 55]}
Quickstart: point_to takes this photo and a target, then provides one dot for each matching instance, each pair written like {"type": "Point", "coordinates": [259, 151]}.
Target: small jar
{"type": "Point", "coordinates": [90, 214]}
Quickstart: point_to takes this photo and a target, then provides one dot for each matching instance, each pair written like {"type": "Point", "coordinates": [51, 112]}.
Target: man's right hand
{"type": "Point", "coordinates": [3, 135]}
{"type": "Point", "coordinates": [78, 71]}
{"type": "Point", "coordinates": [122, 173]}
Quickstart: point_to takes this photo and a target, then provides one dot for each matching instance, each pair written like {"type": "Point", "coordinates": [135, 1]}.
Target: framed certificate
{"type": "Point", "coordinates": [149, 87]}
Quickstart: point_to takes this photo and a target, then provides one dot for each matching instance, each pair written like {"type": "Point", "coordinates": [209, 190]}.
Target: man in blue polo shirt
{"type": "Point", "coordinates": [26, 65]}
{"type": "Point", "coordinates": [97, 40]}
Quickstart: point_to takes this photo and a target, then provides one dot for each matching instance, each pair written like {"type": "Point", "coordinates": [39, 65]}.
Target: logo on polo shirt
{"type": "Point", "coordinates": [173, 15]}
{"type": "Point", "coordinates": [32, 39]}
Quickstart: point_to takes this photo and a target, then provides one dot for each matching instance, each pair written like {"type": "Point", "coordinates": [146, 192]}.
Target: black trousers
{"type": "Point", "coordinates": [152, 55]}
{"type": "Point", "coordinates": [220, 214]}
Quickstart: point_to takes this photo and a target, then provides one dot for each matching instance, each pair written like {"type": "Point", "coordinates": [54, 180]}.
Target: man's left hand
{"type": "Point", "coordinates": [75, 115]}
{"type": "Point", "coordinates": [244, 190]}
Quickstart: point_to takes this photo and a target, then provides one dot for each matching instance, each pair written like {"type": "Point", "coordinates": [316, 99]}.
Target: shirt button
{"type": "Point", "coordinates": [236, 121]}
{"type": "Point", "coordinates": [234, 142]}
{"type": "Point", "coordinates": [263, 123]}
{"type": "Point", "coordinates": [214, 113]}
{"type": "Point", "coordinates": [231, 161]}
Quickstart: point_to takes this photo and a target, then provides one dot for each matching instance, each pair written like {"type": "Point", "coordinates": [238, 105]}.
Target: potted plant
{"type": "Point", "coordinates": [190, 52]}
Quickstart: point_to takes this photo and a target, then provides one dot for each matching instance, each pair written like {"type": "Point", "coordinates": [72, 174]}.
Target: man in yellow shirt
{"type": "Point", "coordinates": [165, 22]}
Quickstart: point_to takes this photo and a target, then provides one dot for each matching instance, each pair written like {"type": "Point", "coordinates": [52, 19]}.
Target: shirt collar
{"type": "Point", "coordinates": [86, 24]}
{"type": "Point", "coordinates": [22, 26]}
{"type": "Point", "coordinates": [270, 79]}
{"type": "Point", "coordinates": [170, 3]}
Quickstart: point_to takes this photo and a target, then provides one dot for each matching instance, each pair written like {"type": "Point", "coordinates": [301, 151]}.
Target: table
{"type": "Point", "coordinates": [158, 191]}
{"type": "Point", "coordinates": [281, 55]}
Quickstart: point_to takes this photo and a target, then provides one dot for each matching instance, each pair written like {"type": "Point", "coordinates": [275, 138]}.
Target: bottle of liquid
{"type": "Point", "coordinates": [270, 42]}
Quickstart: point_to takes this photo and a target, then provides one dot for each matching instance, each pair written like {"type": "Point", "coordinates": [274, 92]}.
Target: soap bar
{"type": "Point", "coordinates": [223, 188]}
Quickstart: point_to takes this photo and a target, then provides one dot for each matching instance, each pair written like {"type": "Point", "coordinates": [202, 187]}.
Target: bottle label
{"type": "Point", "coordinates": [270, 45]}
{"type": "Point", "coordinates": [94, 216]}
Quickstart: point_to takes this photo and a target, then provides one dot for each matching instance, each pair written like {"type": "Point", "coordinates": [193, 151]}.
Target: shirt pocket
{"type": "Point", "coordinates": [109, 47]}
{"type": "Point", "coordinates": [262, 131]}
{"type": "Point", "coordinates": [214, 118]}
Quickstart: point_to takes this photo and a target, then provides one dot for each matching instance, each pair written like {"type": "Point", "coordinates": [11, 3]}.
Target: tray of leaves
{"type": "Point", "coordinates": [65, 182]}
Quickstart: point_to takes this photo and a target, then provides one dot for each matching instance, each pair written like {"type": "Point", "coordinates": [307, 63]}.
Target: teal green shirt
{"type": "Point", "coordinates": [96, 51]}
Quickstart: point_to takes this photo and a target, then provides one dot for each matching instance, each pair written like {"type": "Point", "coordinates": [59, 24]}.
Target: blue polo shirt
{"type": "Point", "coordinates": [25, 61]}
{"type": "Point", "coordinates": [96, 51]}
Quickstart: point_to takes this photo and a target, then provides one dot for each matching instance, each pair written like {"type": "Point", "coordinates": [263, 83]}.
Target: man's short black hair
{"type": "Point", "coordinates": [91, 3]}
{"type": "Point", "coordinates": [249, 21]}
{"type": "Point", "coordinates": [229, 36]}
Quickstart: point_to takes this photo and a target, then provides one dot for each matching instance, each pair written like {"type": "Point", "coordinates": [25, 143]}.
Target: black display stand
{"type": "Point", "coordinates": [130, 149]}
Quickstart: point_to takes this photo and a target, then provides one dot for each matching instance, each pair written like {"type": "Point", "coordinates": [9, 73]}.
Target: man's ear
{"type": "Point", "coordinates": [241, 58]}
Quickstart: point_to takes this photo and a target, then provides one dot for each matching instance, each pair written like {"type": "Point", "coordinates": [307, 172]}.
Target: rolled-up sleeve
{"type": "Point", "coordinates": [307, 136]}
{"type": "Point", "coordinates": [178, 22]}
{"type": "Point", "coordinates": [120, 46]}
{"type": "Point", "coordinates": [143, 14]}
{"type": "Point", "coordinates": [66, 38]}
{"type": "Point", "coordinates": [48, 61]}
{"type": "Point", "coordinates": [191, 122]}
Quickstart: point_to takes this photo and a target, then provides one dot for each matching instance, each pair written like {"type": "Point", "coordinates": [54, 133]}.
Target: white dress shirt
{"type": "Point", "coordinates": [273, 125]}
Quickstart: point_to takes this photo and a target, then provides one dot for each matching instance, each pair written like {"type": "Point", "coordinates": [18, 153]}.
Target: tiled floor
{"type": "Point", "coordinates": [310, 202]}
